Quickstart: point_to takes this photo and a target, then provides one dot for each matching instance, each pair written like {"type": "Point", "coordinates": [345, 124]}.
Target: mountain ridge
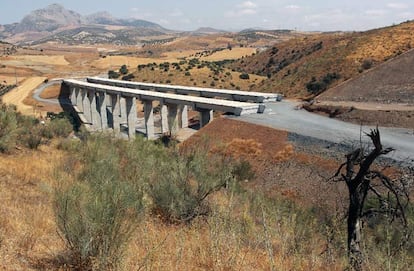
{"type": "Point", "coordinates": [46, 22]}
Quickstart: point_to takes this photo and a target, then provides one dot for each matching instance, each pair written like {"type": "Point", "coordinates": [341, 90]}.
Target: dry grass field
{"type": "Point", "coordinates": [229, 239]}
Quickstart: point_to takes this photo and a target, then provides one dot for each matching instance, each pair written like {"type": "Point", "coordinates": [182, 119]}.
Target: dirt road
{"type": "Point", "coordinates": [370, 106]}
{"type": "Point", "coordinates": [18, 94]}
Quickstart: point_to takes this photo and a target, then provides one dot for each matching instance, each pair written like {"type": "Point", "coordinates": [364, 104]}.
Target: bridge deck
{"type": "Point", "coordinates": [234, 107]}
{"type": "Point", "coordinates": [235, 95]}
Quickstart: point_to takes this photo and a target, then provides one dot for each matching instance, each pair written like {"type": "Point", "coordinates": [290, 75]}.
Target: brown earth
{"type": "Point", "coordinates": [281, 168]}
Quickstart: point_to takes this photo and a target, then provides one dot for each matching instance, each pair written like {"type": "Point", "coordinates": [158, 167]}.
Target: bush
{"type": "Point", "coordinates": [123, 69]}
{"type": "Point", "coordinates": [184, 183]}
{"type": "Point", "coordinates": [97, 208]}
{"type": "Point", "coordinates": [31, 137]}
{"type": "Point", "coordinates": [113, 74]}
{"type": "Point", "coordinates": [366, 64]}
{"type": "Point", "coordinates": [244, 76]}
{"type": "Point", "coordinates": [60, 127]}
{"type": "Point", "coordinates": [8, 128]}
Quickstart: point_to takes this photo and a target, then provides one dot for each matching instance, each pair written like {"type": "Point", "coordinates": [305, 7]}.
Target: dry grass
{"type": "Point", "coordinates": [235, 53]}
{"type": "Point", "coordinates": [203, 77]}
{"type": "Point", "coordinates": [28, 231]}
{"type": "Point", "coordinates": [51, 92]}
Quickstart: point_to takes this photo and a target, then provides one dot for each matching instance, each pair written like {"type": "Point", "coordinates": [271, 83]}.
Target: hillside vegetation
{"type": "Point", "coordinates": [305, 67]}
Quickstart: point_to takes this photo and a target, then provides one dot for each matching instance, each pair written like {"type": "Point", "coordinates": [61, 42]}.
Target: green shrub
{"type": "Point", "coordinates": [182, 185]}
{"type": "Point", "coordinates": [123, 69]}
{"type": "Point", "coordinates": [8, 128]}
{"type": "Point", "coordinates": [60, 127]}
{"type": "Point", "coordinates": [113, 74]}
{"type": "Point", "coordinates": [244, 76]}
{"type": "Point", "coordinates": [96, 209]}
{"type": "Point", "coordinates": [31, 137]}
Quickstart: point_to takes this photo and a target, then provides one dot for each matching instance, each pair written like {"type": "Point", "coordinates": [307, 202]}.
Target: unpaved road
{"type": "Point", "coordinates": [18, 94]}
{"type": "Point", "coordinates": [283, 115]}
{"type": "Point", "coordinates": [369, 106]}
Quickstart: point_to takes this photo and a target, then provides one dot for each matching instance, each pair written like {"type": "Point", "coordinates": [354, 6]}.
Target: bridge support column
{"type": "Point", "coordinates": [103, 101]}
{"type": "Point", "coordinates": [86, 105]}
{"type": "Point", "coordinates": [131, 113]}
{"type": "Point", "coordinates": [164, 118]}
{"type": "Point", "coordinates": [149, 119]}
{"type": "Point", "coordinates": [206, 116]}
{"type": "Point", "coordinates": [115, 105]}
{"type": "Point", "coordinates": [73, 95]}
{"type": "Point", "coordinates": [183, 116]}
{"type": "Point", "coordinates": [173, 118]}
{"type": "Point", "coordinates": [123, 110]}
{"type": "Point", "coordinates": [79, 103]}
{"type": "Point", "coordinates": [94, 117]}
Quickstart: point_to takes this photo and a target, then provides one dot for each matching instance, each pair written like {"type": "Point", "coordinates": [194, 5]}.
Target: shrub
{"type": "Point", "coordinates": [60, 127]}
{"type": "Point", "coordinates": [184, 183]}
{"type": "Point", "coordinates": [244, 76]}
{"type": "Point", "coordinates": [97, 208]}
{"type": "Point", "coordinates": [31, 137]}
{"type": "Point", "coordinates": [366, 64]}
{"type": "Point", "coordinates": [123, 69]}
{"type": "Point", "coordinates": [8, 128]}
{"type": "Point", "coordinates": [113, 74]}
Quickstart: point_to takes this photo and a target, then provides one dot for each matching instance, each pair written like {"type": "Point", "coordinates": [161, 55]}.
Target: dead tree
{"type": "Point", "coordinates": [360, 179]}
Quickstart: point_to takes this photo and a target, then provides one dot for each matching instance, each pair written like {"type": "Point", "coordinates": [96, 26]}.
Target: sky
{"type": "Point", "coordinates": [301, 15]}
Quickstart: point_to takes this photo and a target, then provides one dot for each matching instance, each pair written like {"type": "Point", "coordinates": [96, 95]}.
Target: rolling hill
{"type": "Point", "coordinates": [306, 66]}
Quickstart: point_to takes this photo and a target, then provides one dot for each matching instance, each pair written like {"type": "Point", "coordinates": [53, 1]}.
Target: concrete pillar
{"type": "Point", "coordinates": [79, 103]}
{"type": "Point", "coordinates": [164, 118]}
{"type": "Point", "coordinates": [94, 117]}
{"type": "Point", "coordinates": [182, 116]}
{"type": "Point", "coordinates": [86, 105]}
{"type": "Point", "coordinates": [206, 116]}
{"type": "Point", "coordinates": [115, 105]}
{"type": "Point", "coordinates": [131, 112]}
{"type": "Point", "coordinates": [103, 101]}
{"type": "Point", "coordinates": [173, 118]}
{"type": "Point", "coordinates": [149, 119]}
{"type": "Point", "coordinates": [123, 110]}
{"type": "Point", "coordinates": [73, 99]}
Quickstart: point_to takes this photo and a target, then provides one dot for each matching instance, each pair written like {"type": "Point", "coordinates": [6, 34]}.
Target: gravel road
{"type": "Point", "coordinates": [285, 115]}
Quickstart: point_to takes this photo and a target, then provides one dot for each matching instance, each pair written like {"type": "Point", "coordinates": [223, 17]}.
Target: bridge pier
{"type": "Point", "coordinates": [102, 101]}
{"type": "Point", "coordinates": [149, 119]}
{"type": "Point", "coordinates": [206, 116]}
{"type": "Point", "coordinates": [164, 118]}
{"type": "Point", "coordinates": [116, 112]}
{"type": "Point", "coordinates": [94, 116]}
{"type": "Point", "coordinates": [183, 116]}
{"type": "Point", "coordinates": [86, 106]}
{"type": "Point", "coordinates": [131, 113]}
{"type": "Point", "coordinates": [173, 118]}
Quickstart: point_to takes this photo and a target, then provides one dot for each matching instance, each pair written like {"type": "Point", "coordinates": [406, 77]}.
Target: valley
{"type": "Point", "coordinates": [252, 192]}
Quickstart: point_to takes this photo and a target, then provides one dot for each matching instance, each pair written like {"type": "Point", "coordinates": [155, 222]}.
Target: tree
{"type": "Point", "coordinates": [123, 69]}
{"type": "Point", "coordinates": [360, 179]}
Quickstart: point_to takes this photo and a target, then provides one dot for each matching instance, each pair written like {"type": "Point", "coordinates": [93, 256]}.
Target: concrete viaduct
{"type": "Point", "coordinates": [110, 104]}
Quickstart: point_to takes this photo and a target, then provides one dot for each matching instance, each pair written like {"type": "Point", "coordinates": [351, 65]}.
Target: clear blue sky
{"type": "Point", "coordinates": [235, 14]}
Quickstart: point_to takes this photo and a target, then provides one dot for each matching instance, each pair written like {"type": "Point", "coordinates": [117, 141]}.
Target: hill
{"type": "Point", "coordinates": [306, 66]}
{"type": "Point", "coordinates": [53, 22]}
{"type": "Point", "coordinates": [390, 82]}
